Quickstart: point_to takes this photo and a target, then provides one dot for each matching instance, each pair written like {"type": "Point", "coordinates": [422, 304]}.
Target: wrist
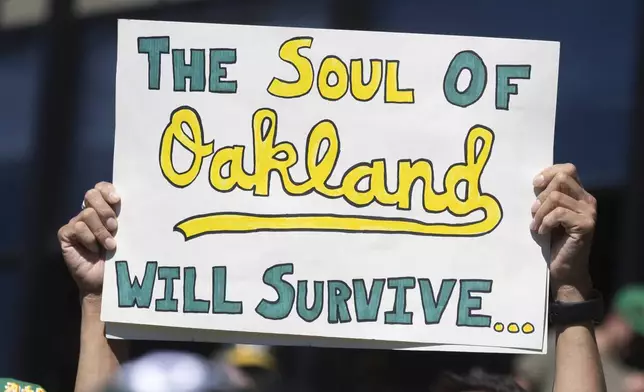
{"type": "Point", "coordinates": [572, 290]}
{"type": "Point", "coordinates": [91, 303]}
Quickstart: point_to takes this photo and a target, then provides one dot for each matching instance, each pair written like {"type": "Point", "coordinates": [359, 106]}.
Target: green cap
{"type": "Point", "coordinates": [629, 304]}
{"type": "Point", "coordinates": [11, 385]}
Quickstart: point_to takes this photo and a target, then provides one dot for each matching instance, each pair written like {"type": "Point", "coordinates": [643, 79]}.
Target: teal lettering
{"type": "Point", "coordinates": [339, 294]}
{"type": "Point", "coordinates": [312, 313]}
{"type": "Point", "coordinates": [190, 303]}
{"type": "Point", "coordinates": [399, 315]}
{"type": "Point", "coordinates": [367, 306]}
{"type": "Point", "coordinates": [504, 73]}
{"type": "Point", "coordinates": [282, 306]}
{"type": "Point", "coordinates": [466, 60]}
{"type": "Point", "coordinates": [168, 303]}
{"type": "Point", "coordinates": [195, 71]}
{"type": "Point", "coordinates": [434, 306]}
{"type": "Point", "coordinates": [219, 302]}
{"type": "Point", "coordinates": [154, 47]}
{"type": "Point", "coordinates": [216, 83]}
{"type": "Point", "coordinates": [133, 293]}
{"type": "Point", "coordinates": [467, 303]}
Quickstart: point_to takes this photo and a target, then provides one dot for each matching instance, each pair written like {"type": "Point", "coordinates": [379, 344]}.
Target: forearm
{"type": "Point", "coordinates": [578, 364]}
{"type": "Point", "coordinates": [99, 358]}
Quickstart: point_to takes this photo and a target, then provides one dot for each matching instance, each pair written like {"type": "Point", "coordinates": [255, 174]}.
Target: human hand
{"type": "Point", "coordinates": [566, 211]}
{"type": "Point", "coordinates": [88, 235]}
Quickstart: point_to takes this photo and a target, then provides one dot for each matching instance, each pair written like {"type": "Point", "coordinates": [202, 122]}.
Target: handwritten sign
{"type": "Point", "coordinates": [307, 185]}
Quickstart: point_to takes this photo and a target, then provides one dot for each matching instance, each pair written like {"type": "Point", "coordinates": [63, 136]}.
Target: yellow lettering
{"type": "Point", "coordinates": [345, 78]}
{"type": "Point", "coordinates": [408, 174]}
{"type": "Point", "coordinates": [319, 168]}
{"type": "Point", "coordinates": [361, 185]}
{"type": "Point", "coordinates": [195, 144]}
{"type": "Point", "coordinates": [270, 156]}
{"type": "Point", "coordinates": [352, 178]}
{"type": "Point", "coordinates": [392, 92]}
{"type": "Point", "coordinates": [333, 65]}
{"type": "Point", "coordinates": [470, 172]}
{"type": "Point", "coordinates": [359, 90]}
{"type": "Point", "coordinates": [290, 53]}
{"type": "Point", "coordinates": [233, 157]}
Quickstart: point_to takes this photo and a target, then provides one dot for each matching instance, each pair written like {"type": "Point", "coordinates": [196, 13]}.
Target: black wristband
{"type": "Point", "coordinates": [570, 313]}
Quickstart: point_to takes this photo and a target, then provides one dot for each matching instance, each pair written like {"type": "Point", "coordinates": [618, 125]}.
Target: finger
{"type": "Point", "coordinates": [108, 191]}
{"type": "Point", "coordinates": [543, 179]}
{"type": "Point", "coordinates": [93, 221]}
{"type": "Point", "coordinates": [76, 218]}
{"type": "Point", "coordinates": [94, 199]}
{"type": "Point", "coordinates": [77, 233]}
{"type": "Point", "coordinates": [555, 199]}
{"type": "Point", "coordinates": [573, 222]}
{"type": "Point", "coordinates": [564, 183]}
{"type": "Point", "coordinates": [84, 236]}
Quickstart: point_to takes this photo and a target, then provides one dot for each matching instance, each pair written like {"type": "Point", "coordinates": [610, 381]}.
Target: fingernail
{"type": "Point", "coordinates": [111, 224]}
{"type": "Point", "coordinates": [533, 225]}
{"type": "Point", "coordinates": [538, 180]}
{"type": "Point", "coordinates": [114, 198]}
{"type": "Point", "coordinates": [110, 244]}
{"type": "Point", "coordinates": [535, 205]}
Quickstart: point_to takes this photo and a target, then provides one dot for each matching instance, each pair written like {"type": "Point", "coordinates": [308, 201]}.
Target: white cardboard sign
{"type": "Point", "coordinates": [314, 185]}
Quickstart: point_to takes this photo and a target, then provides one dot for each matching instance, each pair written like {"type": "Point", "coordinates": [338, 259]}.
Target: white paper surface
{"type": "Point", "coordinates": [330, 238]}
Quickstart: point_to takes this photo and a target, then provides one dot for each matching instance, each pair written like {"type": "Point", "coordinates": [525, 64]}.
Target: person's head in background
{"type": "Point", "coordinates": [173, 371]}
{"type": "Point", "coordinates": [476, 381]}
{"type": "Point", "coordinates": [257, 363]}
{"type": "Point", "coordinates": [623, 327]}
{"type": "Point", "coordinates": [237, 368]}
{"type": "Point", "coordinates": [621, 335]}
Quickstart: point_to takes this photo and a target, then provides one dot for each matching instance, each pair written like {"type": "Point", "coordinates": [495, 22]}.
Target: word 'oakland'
{"type": "Point", "coordinates": [273, 156]}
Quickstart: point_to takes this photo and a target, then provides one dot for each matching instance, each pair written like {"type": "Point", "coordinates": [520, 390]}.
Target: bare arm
{"type": "Point", "coordinates": [99, 358]}
{"type": "Point", "coordinates": [578, 365]}
{"type": "Point", "coordinates": [84, 242]}
{"type": "Point", "coordinates": [567, 212]}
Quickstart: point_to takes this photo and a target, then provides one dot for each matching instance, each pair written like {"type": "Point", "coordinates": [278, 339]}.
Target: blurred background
{"type": "Point", "coordinates": [57, 74]}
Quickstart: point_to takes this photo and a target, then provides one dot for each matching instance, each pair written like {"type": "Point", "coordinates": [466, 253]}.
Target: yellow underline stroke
{"type": "Point", "coordinates": [199, 225]}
